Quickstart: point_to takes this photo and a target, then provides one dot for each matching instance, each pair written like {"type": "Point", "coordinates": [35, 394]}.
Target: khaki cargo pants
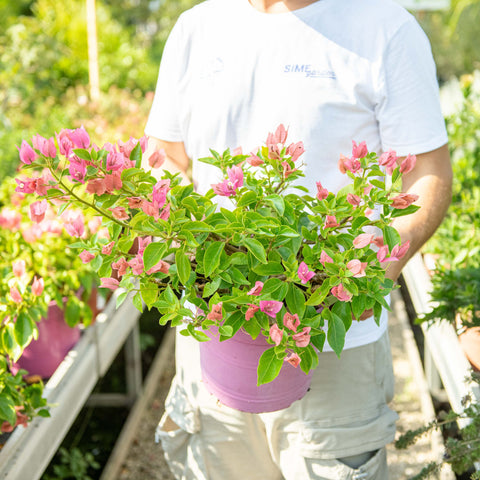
{"type": "Point", "coordinates": [338, 431]}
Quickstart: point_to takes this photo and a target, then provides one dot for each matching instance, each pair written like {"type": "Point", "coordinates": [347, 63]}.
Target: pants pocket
{"type": "Point", "coordinates": [373, 469]}
{"type": "Point", "coordinates": [175, 445]}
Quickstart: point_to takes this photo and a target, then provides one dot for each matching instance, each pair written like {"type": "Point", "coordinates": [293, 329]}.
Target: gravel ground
{"type": "Point", "coordinates": [145, 459]}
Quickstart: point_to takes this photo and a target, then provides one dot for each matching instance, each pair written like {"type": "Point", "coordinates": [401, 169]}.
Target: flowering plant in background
{"type": "Point", "coordinates": [36, 268]}
{"type": "Point", "coordinates": [279, 262]}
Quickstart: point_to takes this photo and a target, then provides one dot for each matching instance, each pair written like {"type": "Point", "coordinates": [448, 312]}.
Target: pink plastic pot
{"type": "Point", "coordinates": [229, 371]}
{"type": "Point", "coordinates": [55, 340]}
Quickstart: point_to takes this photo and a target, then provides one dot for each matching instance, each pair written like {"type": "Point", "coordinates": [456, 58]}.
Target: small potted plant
{"type": "Point", "coordinates": [270, 269]}
{"type": "Point", "coordinates": [45, 287]}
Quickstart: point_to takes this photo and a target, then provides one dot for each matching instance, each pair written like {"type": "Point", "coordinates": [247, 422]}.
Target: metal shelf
{"type": "Point", "coordinates": [29, 450]}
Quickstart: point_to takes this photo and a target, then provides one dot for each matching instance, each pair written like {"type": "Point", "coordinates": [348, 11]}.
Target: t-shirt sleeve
{"type": "Point", "coordinates": [163, 121]}
{"type": "Point", "coordinates": [408, 111]}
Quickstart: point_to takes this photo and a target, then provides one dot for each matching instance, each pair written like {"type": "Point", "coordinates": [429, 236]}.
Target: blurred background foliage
{"type": "Point", "coordinates": [44, 68]}
{"type": "Point", "coordinates": [453, 34]}
{"type": "Point", "coordinates": [44, 63]}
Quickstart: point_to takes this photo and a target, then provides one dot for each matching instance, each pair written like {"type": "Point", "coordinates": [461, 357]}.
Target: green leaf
{"type": "Point", "coordinates": [378, 183]}
{"type": "Point", "coordinates": [253, 328]}
{"type": "Point", "coordinates": [226, 332]}
{"type": "Point", "coordinates": [7, 409]}
{"type": "Point", "coordinates": [196, 226]}
{"type": "Point", "coordinates": [359, 222]}
{"type": "Point", "coordinates": [270, 268]}
{"type": "Point", "coordinates": [319, 294]}
{"type": "Point", "coordinates": [82, 153]}
{"type": "Point", "coordinates": [96, 263]}
{"type": "Point", "coordinates": [256, 248]}
{"type": "Point", "coordinates": [152, 254]}
{"type": "Point", "coordinates": [391, 237]}
{"type": "Point", "coordinates": [23, 329]}
{"type": "Point", "coordinates": [211, 287]}
{"type": "Point", "coordinates": [237, 276]}
{"type": "Point", "coordinates": [318, 340]}
{"type": "Point", "coordinates": [277, 203]}
{"type": "Point", "coordinates": [269, 367]}
{"type": "Point", "coordinates": [149, 292]}
{"type": "Point", "coordinates": [72, 311]}
{"type": "Point", "coordinates": [9, 343]}
{"type": "Point", "coordinates": [197, 334]}
{"type": "Point", "coordinates": [247, 198]}
{"type": "Point", "coordinates": [234, 322]}
{"type": "Point", "coordinates": [211, 259]}
{"type": "Point", "coordinates": [343, 311]}
{"type": "Point", "coordinates": [377, 312]}
{"type": "Point", "coordinates": [184, 267]}
{"type": "Point", "coordinates": [400, 212]}
{"type": "Point", "coordinates": [288, 232]}
{"type": "Point", "coordinates": [309, 359]}
{"type": "Point", "coordinates": [120, 299]}
{"type": "Point", "coordinates": [295, 300]}
{"type": "Point", "coordinates": [336, 333]}
{"type": "Point", "coordinates": [136, 155]}
{"type": "Point", "coordinates": [137, 302]}
{"type": "Point", "coordinates": [358, 305]}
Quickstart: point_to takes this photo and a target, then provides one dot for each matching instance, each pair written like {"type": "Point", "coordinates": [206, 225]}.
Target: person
{"type": "Point", "coordinates": [332, 71]}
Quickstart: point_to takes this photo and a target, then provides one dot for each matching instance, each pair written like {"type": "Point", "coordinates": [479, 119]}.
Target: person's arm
{"type": "Point", "coordinates": [176, 158]}
{"type": "Point", "coordinates": [431, 180]}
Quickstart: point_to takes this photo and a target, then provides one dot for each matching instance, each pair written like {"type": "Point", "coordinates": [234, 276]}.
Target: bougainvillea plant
{"type": "Point", "coordinates": [36, 269]}
{"type": "Point", "coordinates": [280, 261]}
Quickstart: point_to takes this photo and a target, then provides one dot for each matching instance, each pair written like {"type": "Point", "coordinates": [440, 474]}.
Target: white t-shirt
{"type": "Point", "coordinates": [332, 72]}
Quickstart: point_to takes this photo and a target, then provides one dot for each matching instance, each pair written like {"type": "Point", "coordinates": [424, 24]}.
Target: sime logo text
{"type": "Point", "coordinates": [309, 71]}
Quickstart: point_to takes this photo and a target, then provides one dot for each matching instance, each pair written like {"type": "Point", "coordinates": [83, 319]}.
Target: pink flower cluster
{"type": "Point", "coordinates": [388, 160]}
{"type": "Point", "coordinates": [121, 265]}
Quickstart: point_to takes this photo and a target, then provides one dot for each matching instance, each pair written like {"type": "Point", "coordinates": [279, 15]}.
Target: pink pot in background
{"type": "Point", "coordinates": [55, 340]}
{"type": "Point", "coordinates": [229, 371]}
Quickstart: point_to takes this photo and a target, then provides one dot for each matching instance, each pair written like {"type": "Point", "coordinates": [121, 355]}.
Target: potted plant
{"type": "Point", "coordinates": [272, 266]}
{"type": "Point", "coordinates": [45, 287]}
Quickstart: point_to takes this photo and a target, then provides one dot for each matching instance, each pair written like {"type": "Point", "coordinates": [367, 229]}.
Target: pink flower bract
{"type": "Point", "coordinates": [27, 153]}
{"type": "Point", "coordinates": [157, 158]}
{"type": "Point", "coordinates": [325, 258]}
{"type": "Point", "coordinates": [304, 274]}
{"type": "Point", "coordinates": [276, 334]}
{"type": "Point", "coordinates": [331, 222]}
{"type": "Point", "coordinates": [341, 293]}
{"type": "Point", "coordinates": [119, 213]}
{"type": "Point", "coordinates": [293, 359]}
{"type": "Point", "coordinates": [38, 286]}
{"type": "Point", "coordinates": [302, 339]}
{"type": "Point", "coordinates": [291, 321]}
{"type": "Point", "coordinates": [86, 256]}
{"type": "Point", "coordinates": [357, 268]}
{"type": "Point", "coordinates": [18, 267]}
{"type": "Point", "coordinates": [37, 210]}
{"type": "Point", "coordinates": [408, 164]}
{"type": "Point", "coordinates": [252, 309]}
{"type": "Point", "coordinates": [403, 200]}
{"type": "Point", "coordinates": [229, 186]}
{"type": "Point", "coordinates": [363, 240]}
{"type": "Point", "coordinates": [15, 294]}
{"type": "Point", "coordinates": [295, 150]}
{"type": "Point", "coordinates": [110, 283]}
{"type": "Point", "coordinates": [360, 150]}
{"type": "Point", "coordinates": [322, 193]}
{"type": "Point", "coordinates": [216, 312]}
{"type": "Point", "coordinates": [270, 307]}
{"type": "Point", "coordinates": [257, 289]}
